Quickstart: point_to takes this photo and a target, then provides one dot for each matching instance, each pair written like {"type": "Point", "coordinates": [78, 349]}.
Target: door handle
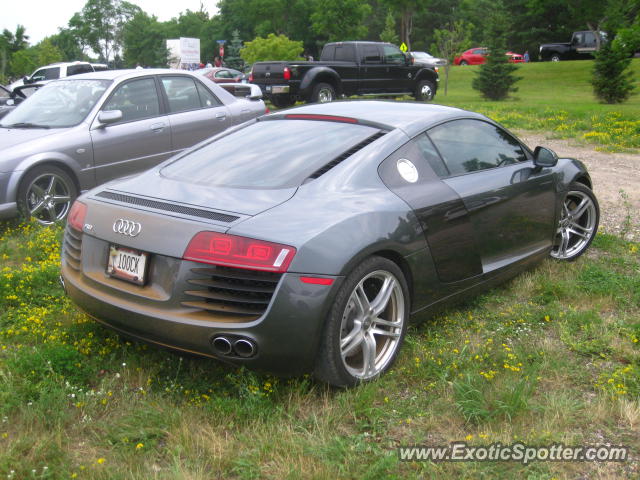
{"type": "Point", "coordinates": [221, 116]}
{"type": "Point", "coordinates": [157, 127]}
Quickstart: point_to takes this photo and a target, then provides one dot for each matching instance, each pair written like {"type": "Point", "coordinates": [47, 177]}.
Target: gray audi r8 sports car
{"type": "Point", "coordinates": [305, 241]}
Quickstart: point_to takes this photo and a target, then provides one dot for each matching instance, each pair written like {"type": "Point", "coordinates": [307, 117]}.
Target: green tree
{"type": "Point", "coordinates": [407, 10]}
{"type": "Point", "coordinates": [335, 20]}
{"type": "Point", "coordinates": [450, 41]}
{"type": "Point", "coordinates": [273, 47]}
{"type": "Point", "coordinates": [389, 32]}
{"type": "Point", "coordinates": [100, 25]}
{"type": "Point", "coordinates": [69, 45]}
{"type": "Point", "coordinates": [25, 61]}
{"type": "Point", "coordinates": [145, 42]}
{"type": "Point", "coordinates": [495, 78]}
{"type": "Point", "coordinates": [233, 59]}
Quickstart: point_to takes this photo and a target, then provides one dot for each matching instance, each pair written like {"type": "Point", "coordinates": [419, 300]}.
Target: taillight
{"type": "Point", "coordinates": [286, 74]}
{"type": "Point", "coordinates": [240, 252]}
{"type": "Point", "coordinates": [76, 215]}
{"type": "Point", "coordinates": [251, 76]}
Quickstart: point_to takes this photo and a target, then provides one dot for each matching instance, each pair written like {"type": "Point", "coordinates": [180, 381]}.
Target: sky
{"type": "Point", "coordinates": [43, 17]}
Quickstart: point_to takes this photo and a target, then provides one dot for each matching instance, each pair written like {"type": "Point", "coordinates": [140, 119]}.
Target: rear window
{"type": "Point", "coordinates": [268, 154]}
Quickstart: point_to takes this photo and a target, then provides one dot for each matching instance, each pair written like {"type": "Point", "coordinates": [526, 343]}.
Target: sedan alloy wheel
{"type": "Point", "coordinates": [47, 194]}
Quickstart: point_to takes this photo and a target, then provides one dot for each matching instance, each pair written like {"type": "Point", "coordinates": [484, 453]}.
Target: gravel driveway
{"type": "Point", "coordinates": [611, 173]}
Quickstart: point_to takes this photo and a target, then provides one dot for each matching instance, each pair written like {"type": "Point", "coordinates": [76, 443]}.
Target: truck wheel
{"type": "Point", "coordinates": [555, 57]}
{"type": "Point", "coordinates": [323, 93]}
{"type": "Point", "coordinates": [425, 91]}
{"type": "Point", "coordinates": [282, 101]}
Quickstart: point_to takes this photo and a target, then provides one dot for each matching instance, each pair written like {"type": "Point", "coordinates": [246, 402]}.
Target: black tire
{"type": "Point", "coordinates": [282, 101]}
{"type": "Point", "coordinates": [578, 224]}
{"type": "Point", "coordinates": [346, 320]}
{"type": "Point", "coordinates": [463, 63]}
{"type": "Point", "coordinates": [425, 91]}
{"type": "Point", "coordinates": [323, 93]}
{"type": "Point", "coordinates": [46, 193]}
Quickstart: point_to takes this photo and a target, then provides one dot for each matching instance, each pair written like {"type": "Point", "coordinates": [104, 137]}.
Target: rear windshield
{"type": "Point", "coordinates": [268, 154]}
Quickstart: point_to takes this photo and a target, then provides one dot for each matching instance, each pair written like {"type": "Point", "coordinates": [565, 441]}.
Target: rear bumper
{"type": "Point", "coordinates": [286, 335]}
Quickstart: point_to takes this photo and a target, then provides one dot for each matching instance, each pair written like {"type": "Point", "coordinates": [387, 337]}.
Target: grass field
{"type": "Point", "coordinates": [552, 356]}
{"type": "Point", "coordinates": [554, 97]}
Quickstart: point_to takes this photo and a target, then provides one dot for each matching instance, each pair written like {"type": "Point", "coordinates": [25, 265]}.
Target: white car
{"type": "Point", "coordinates": [54, 72]}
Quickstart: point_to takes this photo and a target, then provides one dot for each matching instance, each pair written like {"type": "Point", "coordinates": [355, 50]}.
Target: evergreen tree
{"type": "Point", "coordinates": [496, 77]}
{"type": "Point", "coordinates": [233, 59]}
{"type": "Point", "coordinates": [612, 81]}
{"type": "Point", "coordinates": [389, 33]}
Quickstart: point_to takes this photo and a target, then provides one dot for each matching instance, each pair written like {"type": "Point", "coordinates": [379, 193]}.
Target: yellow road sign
{"type": "Point", "coordinates": [403, 47]}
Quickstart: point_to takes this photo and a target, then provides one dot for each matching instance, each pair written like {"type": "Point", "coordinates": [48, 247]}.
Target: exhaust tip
{"type": "Point", "coordinates": [244, 348]}
{"type": "Point", "coordinates": [221, 345]}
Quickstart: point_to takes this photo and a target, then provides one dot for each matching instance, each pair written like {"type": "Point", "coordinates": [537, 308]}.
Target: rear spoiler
{"type": "Point", "coordinates": [243, 90]}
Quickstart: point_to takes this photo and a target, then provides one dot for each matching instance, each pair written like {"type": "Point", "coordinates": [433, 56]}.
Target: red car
{"type": "Point", "coordinates": [478, 55]}
{"type": "Point", "coordinates": [221, 74]}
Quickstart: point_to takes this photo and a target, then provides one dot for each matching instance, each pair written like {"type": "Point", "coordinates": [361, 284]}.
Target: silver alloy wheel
{"type": "Point", "coordinates": [372, 324]}
{"type": "Point", "coordinates": [48, 198]}
{"type": "Point", "coordinates": [555, 58]}
{"type": "Point", "coordinates": [576, 227]}
{"type": "Point", "coordinates": [426, 93]}
{"type": "Point", "coordinates": [325, 95]}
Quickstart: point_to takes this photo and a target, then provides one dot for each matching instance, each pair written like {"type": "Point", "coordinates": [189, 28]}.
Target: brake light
{"type": "Point", "coordinates": [251, 76]}
{"type": "Point", "coordinates": [75, 219]}
{"type": "Point", "coordinates": [241, 252]}
{"type": "Point", "coordinates": [286, 74]}
{"type": "Point", "coordinates": [326, 118]}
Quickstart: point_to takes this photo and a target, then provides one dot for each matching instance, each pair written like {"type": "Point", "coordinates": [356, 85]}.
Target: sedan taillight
{"type": "Point", "coordinates": [241, 252]}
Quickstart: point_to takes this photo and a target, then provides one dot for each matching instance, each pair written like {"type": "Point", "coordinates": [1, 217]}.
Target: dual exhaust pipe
{"type": "Point", "coordinates": [234, 346]}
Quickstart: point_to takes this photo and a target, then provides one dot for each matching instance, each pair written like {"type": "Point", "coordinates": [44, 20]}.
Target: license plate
{"type": "Point", "coordinates": [127, 264]}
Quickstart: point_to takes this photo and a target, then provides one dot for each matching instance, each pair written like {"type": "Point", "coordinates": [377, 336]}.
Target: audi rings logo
{"type": "Point", "coordinates": [127, 227]}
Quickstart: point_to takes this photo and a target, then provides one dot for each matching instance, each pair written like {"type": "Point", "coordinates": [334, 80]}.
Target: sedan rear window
{"type": "Point", "coordinates": [268, 154]}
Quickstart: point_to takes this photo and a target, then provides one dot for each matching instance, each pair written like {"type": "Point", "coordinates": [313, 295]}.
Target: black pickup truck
{"type": "Point", "coordinates": [582, 46]}
{"type": "Point", "coordinates": [344, 69]}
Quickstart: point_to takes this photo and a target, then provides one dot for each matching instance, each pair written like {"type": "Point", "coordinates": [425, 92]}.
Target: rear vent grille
{"type": "Point", "coordinates": [226, 291]}
{"type": "Point", "coordinates": [345, 155]}
{"type": "Point", "coordinates": [72, 247]}
{"type": "Point", "coordinates": [169, 207]}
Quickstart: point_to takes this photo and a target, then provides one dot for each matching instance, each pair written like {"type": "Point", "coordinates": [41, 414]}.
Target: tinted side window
{"type": "Point", "coordinates": [76, 69]}
{"type": "Point", "coordinates": [371, 54]}
{"type": "Point", "coordinates": [471, 145]}
{"type": "Point", "coordinates": [136, 99]}
{"type": "Point", "coordinates": [47, 74]}
{"type": "Point", "coordinates": [345, 53]}
{"type": "Point", "coordinates": [430, 153]}
{"type": "Point", "coordinates": [589, 39]}
{"type": "Point", "coordinates": [328, 53]}
{"type": "Point", "coordinates": [182, 94]}
{"type": "Point", "coordinates": [393, 55]}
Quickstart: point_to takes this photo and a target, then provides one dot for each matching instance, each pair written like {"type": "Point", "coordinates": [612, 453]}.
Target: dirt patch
{"type": "Point", "coordinates": [611, 173]}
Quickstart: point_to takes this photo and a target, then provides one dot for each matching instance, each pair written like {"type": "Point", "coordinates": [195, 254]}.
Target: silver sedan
{"type": "Point", "coordinates": [76, 133]}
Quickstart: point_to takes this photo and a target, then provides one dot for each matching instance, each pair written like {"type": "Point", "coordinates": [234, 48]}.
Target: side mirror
{"type": "Point", "coordinates": [543, 157]}
{"type": "Point", "coordinates": [26, 80]}
{"type": "Point", "coordinates": [107, 117]}
{"type": "Point", "coordinates": [408, 59]}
